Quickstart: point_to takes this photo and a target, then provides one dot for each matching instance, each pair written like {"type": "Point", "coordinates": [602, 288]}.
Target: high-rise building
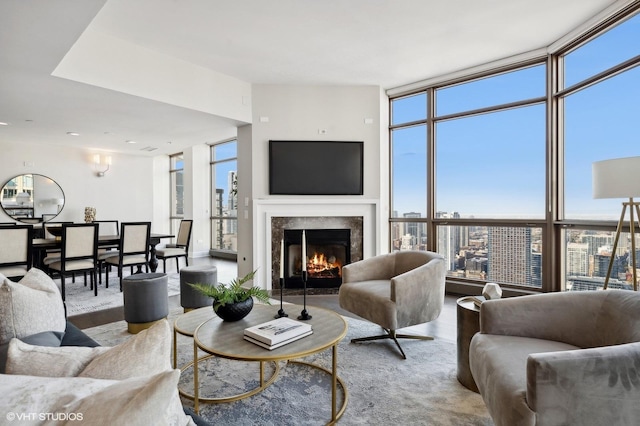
{"type": "Point", "coordinates": [578, 259]}
{"type": "Point", "coordinates": [451, 239]}
{"type": "Point", "coordinates": [509, 255]}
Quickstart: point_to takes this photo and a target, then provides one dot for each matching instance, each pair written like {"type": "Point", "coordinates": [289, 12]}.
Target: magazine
{"type": "Point", "coordinates": [277, 330]}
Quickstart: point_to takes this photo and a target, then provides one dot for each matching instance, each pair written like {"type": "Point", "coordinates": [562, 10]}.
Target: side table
{"type": "Point", "coordinates": [468, 324]}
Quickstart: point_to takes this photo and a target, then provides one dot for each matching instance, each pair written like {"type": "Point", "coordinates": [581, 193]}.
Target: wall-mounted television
{"type": "Point", "coordinates": [315, 167]}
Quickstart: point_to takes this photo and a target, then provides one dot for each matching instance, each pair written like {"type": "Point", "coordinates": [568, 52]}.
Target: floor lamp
{"type": "Point", "coordinates": [620, 178]}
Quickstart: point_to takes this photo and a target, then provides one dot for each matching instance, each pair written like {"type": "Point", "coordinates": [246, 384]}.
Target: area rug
{"type": "Point", "coordinates": [81, 300]}
{"type": "Point", "coordinates": [383, 389]}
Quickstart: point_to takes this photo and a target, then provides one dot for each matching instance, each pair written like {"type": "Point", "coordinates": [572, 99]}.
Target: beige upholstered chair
{"type": "Point", "coordinates": [15, 250]}
{"type": "Point", "coordinates": [179, 249]}
{"type": "Point", "coordinates": [106, 227]}
{"type": "Point", "coordinates": [565, 358]}
{"type": "Point", "coordinates": [78, 253]}
{"type": "Point", "coordinates": [395, 291]}
{"type": "Point", "coordinates": [133, 249]}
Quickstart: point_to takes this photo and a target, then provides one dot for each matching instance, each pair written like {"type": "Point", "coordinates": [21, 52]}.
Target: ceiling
{"type": "Point", "coordinates": [386, 43]}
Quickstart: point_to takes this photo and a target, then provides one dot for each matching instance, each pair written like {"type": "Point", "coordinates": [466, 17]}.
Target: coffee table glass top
{"type": "Point", "coordinates": [225, 339]}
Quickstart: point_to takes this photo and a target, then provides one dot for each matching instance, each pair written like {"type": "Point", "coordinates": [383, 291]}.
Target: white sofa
{"type": "Point", "coordinates": [132, 383]}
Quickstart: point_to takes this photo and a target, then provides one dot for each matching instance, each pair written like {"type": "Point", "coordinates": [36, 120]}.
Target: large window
{"type": "Point", "coordinates": [224, 199]}
{"type": "Point", "coordinates": [483, 172]}
{"type": "Point", "coordinates": [493, 176]}
{"type": "Point", "coordinates": [600, 103]}
{"type": "Point", "coordinates": [176, 173]}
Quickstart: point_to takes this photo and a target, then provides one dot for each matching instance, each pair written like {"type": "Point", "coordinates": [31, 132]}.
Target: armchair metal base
{"type": "Point", "coordinates": [391, 334]}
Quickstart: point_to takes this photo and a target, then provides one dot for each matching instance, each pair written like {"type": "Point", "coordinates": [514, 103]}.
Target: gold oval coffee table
{"type": "Point", "coordinates": [225, 340]}
{"type": "Point", "coordinates": [186, 325]}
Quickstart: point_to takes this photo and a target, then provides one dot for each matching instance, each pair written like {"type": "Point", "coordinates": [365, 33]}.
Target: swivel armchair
{"type": "Point", "coordinates": [395, 291]}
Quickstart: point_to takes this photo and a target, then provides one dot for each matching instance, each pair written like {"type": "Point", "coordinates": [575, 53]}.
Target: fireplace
{"type": "Point", "coordinates": [328, 250]}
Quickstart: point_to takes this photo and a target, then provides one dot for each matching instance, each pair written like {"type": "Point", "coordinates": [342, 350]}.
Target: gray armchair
{"type": "Point", "coordinates": [395, 291]}
{"type": "Point", "coordinates": [570, 358]}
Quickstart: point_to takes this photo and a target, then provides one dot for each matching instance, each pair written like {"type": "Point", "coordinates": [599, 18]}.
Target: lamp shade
{"type": "Point", "coordinates": [616, 178]}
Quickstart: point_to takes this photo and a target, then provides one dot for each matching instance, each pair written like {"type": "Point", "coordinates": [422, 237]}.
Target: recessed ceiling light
{"type": "Point", "coordinates": [130, 141]}
{"type": "Point", "coordinates": [2, 123]}
{"type": "Point", "coordinates": [73, 134]}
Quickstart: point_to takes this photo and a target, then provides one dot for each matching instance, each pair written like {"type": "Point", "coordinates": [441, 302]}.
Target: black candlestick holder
{"type": "Point", "coordinates": [281, 313]}
{"type": "Point", "coordinates": [304, 315]}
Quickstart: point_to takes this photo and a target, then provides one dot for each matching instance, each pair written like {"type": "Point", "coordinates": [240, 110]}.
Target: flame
{"type": "Point", "coordinates": [319, 264]}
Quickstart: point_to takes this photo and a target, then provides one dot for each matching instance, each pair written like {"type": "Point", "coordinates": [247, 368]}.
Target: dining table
{"type": "Point", "coordinates": [39, 245]}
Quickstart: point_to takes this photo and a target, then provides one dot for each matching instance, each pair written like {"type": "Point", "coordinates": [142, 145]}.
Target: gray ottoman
{"type": "Point", "coordinates": [190, 298]}
{"type": "Point", "coordinates": [146, 300]}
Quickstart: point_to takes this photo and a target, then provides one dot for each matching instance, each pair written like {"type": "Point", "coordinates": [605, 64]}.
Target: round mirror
{"type": "Point", "coordinates": [32, 198]}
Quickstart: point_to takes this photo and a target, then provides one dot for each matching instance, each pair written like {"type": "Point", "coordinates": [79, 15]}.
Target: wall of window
{"type": "Point", "coordinates": [176, 173]}
{"type": "Point", "coordinates": [598, 95]}
{"type": "Point", "coordinates": [224, 199]}
{"type": "Point", "coordinates": [494, 171]}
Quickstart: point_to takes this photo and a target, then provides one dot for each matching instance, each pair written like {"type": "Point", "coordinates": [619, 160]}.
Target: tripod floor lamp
{"type": "Point", "coordinates": [620, 178]}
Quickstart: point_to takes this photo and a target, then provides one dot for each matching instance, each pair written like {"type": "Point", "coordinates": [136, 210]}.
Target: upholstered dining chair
{"type": "Point", "coordinates": [133, 249]}
{"type": "Point", "coordinates": [106, 227]}
{"type": "Point", "coordinates": [395, 291]}
{"type": "Point", "coordinates": [78, 253]}
{"type": "Point", "coordinates": [15, 250]}
{"type": "Point", "coordinates": [180, 248]}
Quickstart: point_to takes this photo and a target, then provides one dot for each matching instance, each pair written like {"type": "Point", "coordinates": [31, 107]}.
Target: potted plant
{"type": "Point", "coordinates": [232, 301]}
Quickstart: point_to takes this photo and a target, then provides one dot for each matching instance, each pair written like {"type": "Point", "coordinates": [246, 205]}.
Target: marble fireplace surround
{"type": "Point", "coordinates": [310, 214]}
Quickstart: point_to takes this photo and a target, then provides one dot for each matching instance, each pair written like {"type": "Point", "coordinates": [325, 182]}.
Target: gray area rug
{"type": "Point", "coordinates": [382, 388]}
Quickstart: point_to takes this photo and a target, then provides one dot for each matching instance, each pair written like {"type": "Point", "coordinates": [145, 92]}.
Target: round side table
{"type": "Point", "coordinates": [468, 324]}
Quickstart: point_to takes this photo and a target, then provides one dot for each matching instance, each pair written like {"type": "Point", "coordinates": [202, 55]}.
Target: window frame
{"type": "Point", "coordinates": [554, 224]}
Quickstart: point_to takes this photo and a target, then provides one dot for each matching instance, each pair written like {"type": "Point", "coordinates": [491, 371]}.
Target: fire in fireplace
{"type": "Point", "coordinates": [327, 251]}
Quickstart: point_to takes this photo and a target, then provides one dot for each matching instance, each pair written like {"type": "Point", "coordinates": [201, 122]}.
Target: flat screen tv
{"type": "Point", "coordinates": [315, 168]}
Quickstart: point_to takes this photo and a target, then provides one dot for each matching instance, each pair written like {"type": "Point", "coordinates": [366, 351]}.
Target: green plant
{"type": "Point", "coordinates": [232, 292]}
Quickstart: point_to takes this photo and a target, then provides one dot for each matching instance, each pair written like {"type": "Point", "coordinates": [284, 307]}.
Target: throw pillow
{"type": "Point", "coordinates": [144, 354]}
{"type": "Point", "coordinates": [30, 306]}
{"type": "Point", "coordinates": [137, 401]}
{"type": "Point", "coordinates": [64, 361]}
{"type": "Point", "coordinates": [74, 400]}
{"type": "Point", "coordinates": [46, 338]}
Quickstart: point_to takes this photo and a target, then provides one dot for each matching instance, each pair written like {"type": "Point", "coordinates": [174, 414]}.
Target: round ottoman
{"type": "Point", "coordinates": [189, 297]}
{"type": "Point", "coordinates": [146, 300]}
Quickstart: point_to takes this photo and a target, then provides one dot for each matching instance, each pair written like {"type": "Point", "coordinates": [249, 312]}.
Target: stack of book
{"type": "Point", "coordinates": [278, 332]}
{"type": "Point", "coordinates": [477, 300]}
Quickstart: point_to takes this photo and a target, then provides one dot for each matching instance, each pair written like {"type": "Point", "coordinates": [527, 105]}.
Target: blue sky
{"type": "Point", "coordinates": [493, 165]}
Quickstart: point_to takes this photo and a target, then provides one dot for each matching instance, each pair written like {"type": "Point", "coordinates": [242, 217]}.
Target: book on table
{"type": "Point", "coordinates": [277, 345]}
{"type": "Point", "coordinates": [277, 331]}
{"type": "Point", "coordinates": [477, 300]}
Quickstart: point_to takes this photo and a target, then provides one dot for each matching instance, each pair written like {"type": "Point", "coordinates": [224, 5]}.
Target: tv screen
{"type": "Point", "coordinates": [315, 168]}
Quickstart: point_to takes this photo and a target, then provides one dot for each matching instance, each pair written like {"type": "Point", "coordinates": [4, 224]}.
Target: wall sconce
{"type": "Point", "coordinates": [97, 163]}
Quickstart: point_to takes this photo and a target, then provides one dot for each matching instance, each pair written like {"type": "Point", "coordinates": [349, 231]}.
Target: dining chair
{"type": "Point", "coordinates": [15, 250]}
{"type": "Point", "coordinates": [78, 253]}
{"type": "Point", "coordinates": [52, 255]}
{"type": "Point", "coordinates": [106, 227]}
{"type": "Point", "coordinates": [180, 248]}
{"type": "Point", "coordinates": [133, 248]}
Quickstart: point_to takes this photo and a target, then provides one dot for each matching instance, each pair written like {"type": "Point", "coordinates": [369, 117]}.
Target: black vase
{"type": "Point", "coordinates": [235, 311]}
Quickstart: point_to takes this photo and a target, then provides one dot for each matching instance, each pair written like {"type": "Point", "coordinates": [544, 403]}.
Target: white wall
{"type": "Point", "coordinates": [125, 192]}
{"type": "Point", "coordinates": [348, 113]}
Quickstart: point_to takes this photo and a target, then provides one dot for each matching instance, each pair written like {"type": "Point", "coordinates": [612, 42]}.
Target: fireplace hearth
{"type": "Point", "coordinates": [328, 250]}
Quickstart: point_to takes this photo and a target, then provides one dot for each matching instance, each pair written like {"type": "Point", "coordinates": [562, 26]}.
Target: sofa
{"type": "Point", "coordinates": [570, 358]}
{"type": "Point", "coordinates": [53, 372]}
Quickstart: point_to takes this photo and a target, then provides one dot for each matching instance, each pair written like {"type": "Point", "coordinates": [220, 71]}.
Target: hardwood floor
{"type": "Point", "coordinates": [444, 327]}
